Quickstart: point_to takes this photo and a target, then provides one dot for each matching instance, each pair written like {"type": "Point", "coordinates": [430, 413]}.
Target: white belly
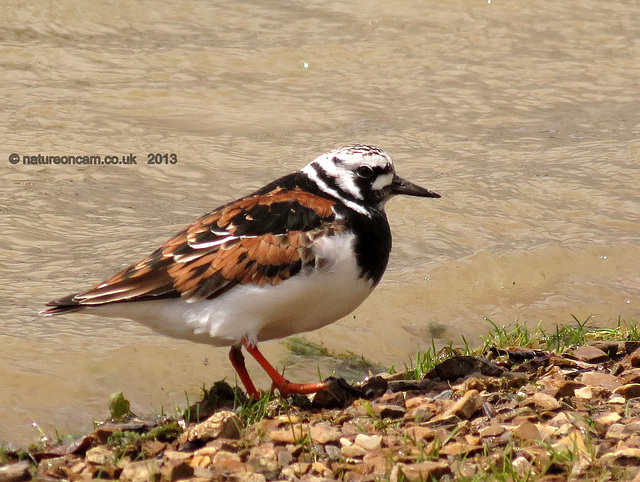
{"type": "Point", "coordinates": [307, 301]}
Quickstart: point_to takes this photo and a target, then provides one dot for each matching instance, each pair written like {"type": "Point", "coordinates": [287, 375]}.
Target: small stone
{"type": "Point", "coordinates": [559, 420]}
{"type": "Point", "coordinates": [603, 380]}
{"type": "Point", "coordinates": [635, 358]}
{"type": "Point", "coordinates": [375, 462]}
{"type": "Point", "coordinates": [294, 471]}
{"type": "Point", "coordinates": [420, 414]}
{"type": "Point", "coordinates": [284, 458]}
{"type": "Point", "coordinates": [527, 431]}
{"type": "Point", "coordinates": [631, 376]}
{"type": "Point", "coordinates": [247, 477]}
{"type": "Point", "coordinates": [585, 393]}
{"type": "Point", "coordinates": [288, 419]}
{"type": "Point", "coordinates": [288, 435]}
{"type": "Point", "coordinates": [324, 433]}
{"type": "Point", "coordinates": [222, 424]}
{"type": "Point", "coordinates": [546, 431]}
{"type": "Point", "coordinates": [175, 457]}
{"type": "Point", "coordinates": [368, 442]}
{"type": "Point", "coordinates": [419, 433]}
{"type": "Point", "coordinates": [542, 401]}
{"type": "Point", "coordinates": [616, 431]}
{"type": "Point", "coordinates": [200, 460]}
{"type": "Point", "coordinates": [15, 472]}
{"type": "Point", "coordinates": [523, 466]}
{"type": "Point", "coordinates": [99, 455]}
{"type": "Point", "coordinates": [459, 448]}
{"type": "Point", "coordinates": [632, 428]}
{"type": "Point", "coordinates": [178, 471]}
{"type": "Point", "coordinates": [573, 442]}
{"type": "Point", "coordinates": [321, 469]}
{"type": "Point", "coordinates": [625, 457]}
{"type": "Point", "coordinates": [632, 390]}
{"type": "Point", "coordinates": [617, 399]}
{"type": "Point", "coordinates": [444, 395]}
{"type": "Point", "coordinates": [332, 451]}
{"type": "Point", "coordinates": [226, 466]}
{"type": "Point", "coordinates": [387, 410]}
{"type": "Point", "coordinates": [493, 430]}
{"type": "Point", "coordinates": [264, 459]}
{"type": "Point", "coordinates": [463, 365]}
{"type": "Point", "coordinates": [591, 354]}
{"type": "Point", "coordinates": [222, 455]}
{"type": "Point", "coordinates": [152, 448]}
{"type": "Point", "coordinates": [76, 469]}
{"type": "Point", "coordinates": [630, 346]}
{"type": "Point", "coordinates": [420, 471]}
{"type": "Point", "coordinates": [608, 418]}
{"type": "Point", "coordinates": [568, 388]}
{"type": "Point", "coordinates": [415, 402]}
{"type": "Point", "coordinates": [617, 369]}
{"type": "Point", "coordinates": [351, 450]}
{"type": "Point", "coordinates": [202, 474]}
{"type": "Point", "coordinates": [141, 471]}
{"type": "Point", "coordinates": [466, 407]}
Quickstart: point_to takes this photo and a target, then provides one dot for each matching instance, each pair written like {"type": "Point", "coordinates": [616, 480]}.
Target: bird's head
{"type": "Point", "coordinates": [361, 176]}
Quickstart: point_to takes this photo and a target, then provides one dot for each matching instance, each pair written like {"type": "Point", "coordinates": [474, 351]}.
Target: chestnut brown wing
{"type": "Point", "coordinates": [261, 239]}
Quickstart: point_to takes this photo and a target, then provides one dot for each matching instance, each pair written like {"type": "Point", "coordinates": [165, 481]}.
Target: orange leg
{"type": "Point", "coordinates": [284, 386]}
{"type": "Point", "coordinates": [237, 360]}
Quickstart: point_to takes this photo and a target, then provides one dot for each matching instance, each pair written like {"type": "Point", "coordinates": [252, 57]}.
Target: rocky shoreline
{"type": "Point", "coordinates": [512, 414]}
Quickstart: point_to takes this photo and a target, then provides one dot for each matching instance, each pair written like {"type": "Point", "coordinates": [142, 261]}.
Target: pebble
{"type": "Point", "coordinates": [527, 431]}
{"type": "Point", "coordinates": [523, 466]}
{"type": "Point", "coordinates": [368, 442]}
{"type": "Point", "coordinates": [350, 450]}
{"type": "Point", "coordinates": [420, 414]}
{"type": "Point", "coordinates": [626, 457]}
{"type": "Point", "coordinates": [603, 380]}
{"type": "Point", "coordinates": [15, 472]}
{"type": "Point", "coordinates": [567, 388]}
{"type": "Point", "coordinates": [584, 393]}
{"type": "Point", "coordinates": [631, 390]}
{"type": "Point", "coordinates": [631, 376]}
{"type": "Point", "coordinates": [591, 354]}
{"type": "Point", "coordinates": [419, 471]}
{"type": "Point", "coordinates": [493, 430]}
{"type": "Point", "coordinates": [141, 471]}
{"type": "Point", "coordinates": [635, 358]}
{"type": "Point", "coordinates": [287, 435]}
{"type": "Point", "coordinates": [608, 418]}
{"type": "Point", "coordinates": [542, 401]}
{"type": "Point", "coordinates": [465, 407]}
{"type": "Point", "coordinates": [222, 424]}
{"type": "Point", "coordinates": [99, 455]}
{"type": "Point", "coordinates": [616, 431]}
{"type": "Point", "coordinates": [324, 433]}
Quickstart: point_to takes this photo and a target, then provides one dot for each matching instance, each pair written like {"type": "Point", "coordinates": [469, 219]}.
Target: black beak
{"type": "Point", "coordinates": [402, 186]}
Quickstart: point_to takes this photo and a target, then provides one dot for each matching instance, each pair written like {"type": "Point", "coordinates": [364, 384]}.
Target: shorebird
{"type": "Point", "coordinates": [297, 254]}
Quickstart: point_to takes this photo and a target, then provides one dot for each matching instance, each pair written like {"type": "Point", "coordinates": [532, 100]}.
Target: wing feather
{"type": "Point", "coordinates": [226, 247]}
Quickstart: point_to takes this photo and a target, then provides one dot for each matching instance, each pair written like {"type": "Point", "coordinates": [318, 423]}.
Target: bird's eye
{"type": "Point", "coordinates": [365, 172]}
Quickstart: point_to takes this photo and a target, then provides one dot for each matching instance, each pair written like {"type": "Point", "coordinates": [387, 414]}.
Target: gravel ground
{"type": "Point", "coordinates": [515, 414]}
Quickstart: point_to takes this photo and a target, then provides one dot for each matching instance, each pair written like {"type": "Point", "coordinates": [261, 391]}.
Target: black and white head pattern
{"type": "Point", "coordinates": [358, 175]}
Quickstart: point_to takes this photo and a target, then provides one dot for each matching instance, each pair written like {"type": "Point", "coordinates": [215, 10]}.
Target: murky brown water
{"type": "Point", "coordinates": [523, 115]}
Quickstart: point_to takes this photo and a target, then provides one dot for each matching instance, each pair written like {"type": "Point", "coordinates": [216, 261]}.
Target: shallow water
{"type": "Point", "coordinates": [523, 115]}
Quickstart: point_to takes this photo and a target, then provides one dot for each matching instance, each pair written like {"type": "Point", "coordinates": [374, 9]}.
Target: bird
{"type": "Point", "coordinates": [297, 254]}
